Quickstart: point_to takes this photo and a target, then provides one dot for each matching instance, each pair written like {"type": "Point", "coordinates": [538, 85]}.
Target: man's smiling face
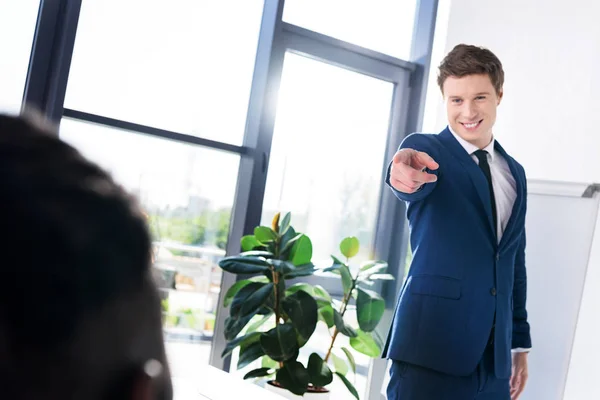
{"type": "Point", "coordinates": [471, 103]}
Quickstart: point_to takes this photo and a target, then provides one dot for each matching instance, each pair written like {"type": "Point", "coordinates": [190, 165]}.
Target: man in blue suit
{"type": "Point", "coordinates": [460, 329]}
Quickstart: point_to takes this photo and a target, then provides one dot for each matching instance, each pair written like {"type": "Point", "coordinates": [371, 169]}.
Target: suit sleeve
{"type": "Point", "coordinates": [419, 142]}
{"type": "Point", "coordinates": [521, 338]}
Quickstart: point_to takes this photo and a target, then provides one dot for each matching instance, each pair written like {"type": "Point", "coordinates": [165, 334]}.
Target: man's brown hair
{"type": "Point", "coordinates": [466, 60]}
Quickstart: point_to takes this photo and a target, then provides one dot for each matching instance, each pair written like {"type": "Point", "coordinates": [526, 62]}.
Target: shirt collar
{"type": "Point", "coordinates": [470, 148]}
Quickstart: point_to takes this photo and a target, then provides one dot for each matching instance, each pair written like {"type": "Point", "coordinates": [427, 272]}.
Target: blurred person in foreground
{"type": "Point", "coordinates": [79, 313]}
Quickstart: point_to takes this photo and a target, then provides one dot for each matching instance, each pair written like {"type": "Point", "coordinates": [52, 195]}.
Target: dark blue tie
{"type": "Point", "coordinates": [485, 168]}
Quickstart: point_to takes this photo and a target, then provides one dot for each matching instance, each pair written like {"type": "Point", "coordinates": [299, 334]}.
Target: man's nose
{"type": "Point", "coordinates": [469, 110]}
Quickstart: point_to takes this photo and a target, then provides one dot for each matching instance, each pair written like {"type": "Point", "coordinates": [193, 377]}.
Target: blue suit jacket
{"type": "Point", "coordinates": [460, 277]}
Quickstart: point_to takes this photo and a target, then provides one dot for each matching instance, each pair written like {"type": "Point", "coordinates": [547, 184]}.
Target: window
{"type": "Point", "coordinates": [189, 208]}
{"type": "Point", "coordinates": [382, 25]}
{"type": "Point", "coordinates": [330, 135]}
{"type": "Point", "coordinates": [184, 66]}
{"type": "Point", "coordinates": [17, 26]}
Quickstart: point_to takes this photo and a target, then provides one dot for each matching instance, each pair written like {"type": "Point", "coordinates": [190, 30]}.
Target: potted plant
{"type": "Point", "coordinates": [294, 311]}
{"type": "Point", "coordinates": [269, 258]}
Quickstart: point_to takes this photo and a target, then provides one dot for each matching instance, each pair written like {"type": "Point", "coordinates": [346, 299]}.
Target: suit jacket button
{"type": "Point", "coordinates": [493, 291]}
{"type": "Point", "coordinates": [497, 256]}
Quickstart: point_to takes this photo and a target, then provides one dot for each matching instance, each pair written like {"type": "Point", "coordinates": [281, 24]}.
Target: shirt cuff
{"type": "Point", "coordinates": [520, 350]}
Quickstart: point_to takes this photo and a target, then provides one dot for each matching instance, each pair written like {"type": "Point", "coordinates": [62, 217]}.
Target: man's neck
{"type": "Point", "coordinates": [469, 147]}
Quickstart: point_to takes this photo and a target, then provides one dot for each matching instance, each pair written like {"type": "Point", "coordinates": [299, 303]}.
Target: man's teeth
{"type": "Point", "coordinates": [473, 125]}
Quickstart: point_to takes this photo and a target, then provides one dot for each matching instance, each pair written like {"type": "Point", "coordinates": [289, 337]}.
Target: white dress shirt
{"type": "Point", "coordinates": [503, 182]}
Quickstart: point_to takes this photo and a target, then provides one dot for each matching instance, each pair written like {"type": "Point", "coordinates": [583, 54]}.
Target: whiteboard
{"type": "Point", "coordinates": [561, 222]}
{"type": "Point", "coordinates": [583, 379]}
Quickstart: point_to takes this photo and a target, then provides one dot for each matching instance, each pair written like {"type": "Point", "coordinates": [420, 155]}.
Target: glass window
{"type": "Point", "coordinates": [185, 66]}
{"type": "Point", "coordinates": [189, 209]}
{"type": "Point", "coordinates": [382, 25]}
{"type": "Point", "coordinates": [17, 27]}
{"type": "Point", "coordinates": [330, 136]}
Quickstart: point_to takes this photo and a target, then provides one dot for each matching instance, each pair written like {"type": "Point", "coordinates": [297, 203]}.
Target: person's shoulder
{"type": "Point", "coordinates": [425, 142]}
{"type": "Point", "coordinates": [420, 138]}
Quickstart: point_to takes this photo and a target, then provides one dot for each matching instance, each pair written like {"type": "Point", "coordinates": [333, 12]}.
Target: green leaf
{"type": "Point", "coordinates": [264, 234]}
{"type": "Point", "coordinates": [288, 245]}
{"type": "Point", "coordinates": [233, 290]}
{"type": "Point", "coordinates": [369, 309]}
{"type": "Point", "coordinates": [268, 362]}
{"type": "Point", "coordinates": [326, 315]}
{"type": "Point", "coordinates": [301, 270]}
{"type": "Point", "coordinates": [244, 265]}
{"type": "Point", "coordinates": [259, 278]}
{"type": "Point", "coordinates": [243, 340]}
{"type": "Point", "coordinates": [249, 353]}
{"type": "Point", "coordinates": [349, 246]}
{"type": "Point", "coordinates": [238, 308]}
{"type": "Point", "coordinates": [285, 223]}
{"type": "Point", "coordinates": [347, 280]}
{"type": "Point", "coordinates": [287, 236]}
{"type": "Point", "coordinates": [259, 322]}
{"type": "Point", "coordinates": [351, 359]}
{"type": "Point", "coordinates": [341, 325]}
{"type": "Point", "coordinates": [336, 261]}
{"type": "Point", "coordinates": [301, 340]}
{"type": "Point", "coordinates": [302, 309]}
{"type": "Point", "coordinates": [382, 277]}
{"type": "Point", "coordinates": [257, 253]}
{"type": "Point", "coordinates": [301, 252]}
{"type": "Point", "coordinates": [265, 310]}
{"type": "Point", "coordinates": [350, 387]}
{"type": "Point", "coordinates": [319, 291]}
{"type": "Point", "coordinates": [293, 377]}
{"type": "Point", "coordinates": [280, 342]}
{"type": "Point", "coordinates": [258, 373]}
{"type": "Point", "coordinates": [367, 265]}
{"type": "Point", "coordinates": [376, 268]}
{"type": "Point", "coordinates": [282, 267]}
{"type": "Point", "coordinates": [249, 242]}
{"type": "Point", "coordinates": [339, 364]}
{"type": "Point", "coordinates": [310, 289]}
{"type": "Point", "coordinates": [319, 372]}
{"type": "Point", "coordinates": [233, 326]}
{"type": "Point", "coordinates": [365, 344]}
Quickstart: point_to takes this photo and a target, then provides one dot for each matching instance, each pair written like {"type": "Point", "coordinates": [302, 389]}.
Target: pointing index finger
{"type": "Point", "coordinates": [427, 160]}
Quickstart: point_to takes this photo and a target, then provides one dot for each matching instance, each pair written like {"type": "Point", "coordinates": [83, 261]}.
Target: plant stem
{"type": "Point", "coordinates": [276, 294]}
{"type": "Point", "coordinates": [343, 308]}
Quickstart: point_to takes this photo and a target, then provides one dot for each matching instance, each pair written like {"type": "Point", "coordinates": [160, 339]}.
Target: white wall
{"type": "Point", "coordinates": [550, 49]}
{"type": "Point", "coordinates": [549, 119]}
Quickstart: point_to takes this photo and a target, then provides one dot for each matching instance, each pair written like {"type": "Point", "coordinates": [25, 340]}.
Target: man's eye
{"type": "Point", "coordinates": [456, 101]}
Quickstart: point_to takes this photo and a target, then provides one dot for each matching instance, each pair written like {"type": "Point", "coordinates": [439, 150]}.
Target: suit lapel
{"type": "Point", "coordinates": [477, 177]}
{"type": "Point", "coordinates": [519, 199]}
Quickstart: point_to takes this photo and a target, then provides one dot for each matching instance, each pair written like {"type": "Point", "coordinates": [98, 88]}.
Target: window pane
{"type": "Point", "coordinates": [17, 26]}
{"type": "Point", "coordinates": [185, 66]}
{"type": "Point", "coordinates": [326, 164]}
{"type": "Point", "coordinates": [189, 208]}
{"type": "Point", "coordinates": [382, 25]}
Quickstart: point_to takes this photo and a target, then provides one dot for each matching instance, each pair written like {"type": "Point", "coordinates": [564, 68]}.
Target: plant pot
{"type": "Point", "coordinates": [286, 394]}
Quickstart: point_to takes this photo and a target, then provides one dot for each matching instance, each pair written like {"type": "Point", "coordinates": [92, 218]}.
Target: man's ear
{"type": "Point", "coordinates": [500, 94]}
